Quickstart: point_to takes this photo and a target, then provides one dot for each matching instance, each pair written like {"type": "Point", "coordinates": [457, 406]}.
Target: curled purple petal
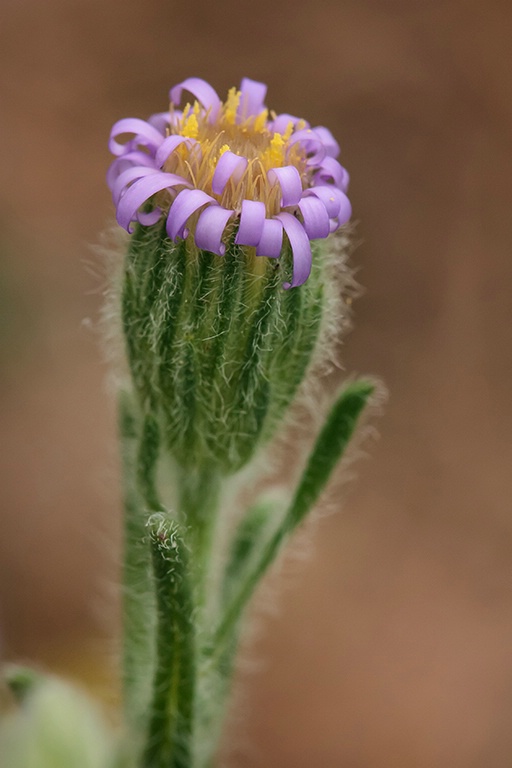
{"type": "Point", "coordinates": [127, 177]}
{"type": "Point", "coordinates": [316, 218]}
{"type": "Point", "coordinates": [271, 241]}
{"type": "Point", "coordinates": [175, 118]}
{"type": "Point", "coordinates": [140, 191]}
{"type": "Point", "coordinates": [311, 143]}
{"type": "Point", "coordinates": [145, 134]}
{"type": "Point", "coordinates": [301, 249]}
{"type": "Point", "coordinates": [229, 166]}
{"type": "Point", "coordinates": [186, 203]}
{"type": "Point", "coordinates": [210, 228]}
{"type": "Point", "coordinates": [331, 172]}
{"type": "Point", "coordinates": [281, 122]}
{"type": "Point", "coordinates": [202, 91]}
{"type": "Point", "coordinates": [150, 217]}
{"type": "Point", "coordinates": [290, 182]}
{"type": "Point", "coordinates": [336, 202]}
{"type": "Point", "coordinates": [345, 211]}
{"type": "Point", "coordinates": [252, 219]}
{"type": "Point", "coordinates": [124, 162]}
{"type": "Point", "coordinates": [345, 181]}
{"type": "Point", "coordinates": [330, 197]}
{"type": "Point", "coordinates": [168, 146]}
{"type": "Point", "coordinates": [160, 121]}
{"type": "Point", "coordinates": [332, 148]}
{"type": "Point", "coordinates": [252, 100]}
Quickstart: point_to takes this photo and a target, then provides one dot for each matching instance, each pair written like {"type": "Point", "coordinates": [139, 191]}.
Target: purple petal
{"type": "Point", "coordinates": [150, 217]}
{"type": "Point", "coordinates": [336, 202]}
{"type": "Point", "coordinates": [124, 162]}
{"type": "Point", "coordinates": [210, 228]}
{"type": "Point", "coordinates": [186, 203]}
{"type": "Point", "coordinates": [330, 197]}
{"type": "Point", "coordinates": [175, 118]}
{"type": "Point", "coordinates": [144, 132]}
{"type": "Point", "coordinates": [316, 218]}
{"type": "Point", "coordinates": [126, 177]}
{"type": "Point", "coordinates": [252, 219]}
{"type": "Point", "coordinates": [252, 101]}
{"type": "Point", "coordinates": [202, 91]}
{"type": "Point", "coordinates": [271, 241]}
{"type": "Point", "coordinates": [301, 249]}
{"type": "Point", "coordinates": [290, 182]}
{"type": "Point", "coordinates": [312, 144]}
{"type": "Point", "coordinates": [345, 180]}
{"type": "Point", "coordinates": [228, 165]}
{"type": "Point", "coordinates": [345, 211]}
{"type": "Point", "coordinates": [160, 121]}
{"type": "Point", "coordinates": [281, 122]}
{"type": "Point", "coordinates": [331, 172]}
{"type": "Point", "coordinates": [168, 146]}
{"type": "Point", "coordinates": [332, 148]}
{"type": "Point", "coordinates": [142, 190]}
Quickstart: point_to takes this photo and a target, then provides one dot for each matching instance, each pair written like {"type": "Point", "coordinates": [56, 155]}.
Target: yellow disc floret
{"type": "Point", "coordinates": [251, 138]}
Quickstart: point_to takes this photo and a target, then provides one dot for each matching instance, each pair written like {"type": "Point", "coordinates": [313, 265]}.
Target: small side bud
{"type": "Point", "coordinates": [56, 726]}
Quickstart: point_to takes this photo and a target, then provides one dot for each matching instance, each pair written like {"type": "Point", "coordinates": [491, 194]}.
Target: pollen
{"type": "Point", "coordinates": [231, 105]}
{"type": "Point", "coordinates": [289, 130]}
{"type": "Point", "coordinates": [260, 122]}
{"type": "Point", "coordinates": [273, 157]}
{"type": "Point", "coordinates": [190, 127]}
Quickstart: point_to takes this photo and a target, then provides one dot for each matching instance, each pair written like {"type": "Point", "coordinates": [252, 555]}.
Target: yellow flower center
{"type": "Point", "coordinates": [252, 139]}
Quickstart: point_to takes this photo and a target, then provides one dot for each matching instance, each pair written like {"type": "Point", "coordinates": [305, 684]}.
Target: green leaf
{"type": "Point", "coordinates": [329, 448]}
{"type": "Point", "coordinates": [327, 451]}
{"type": "Point", "coordinates": [251, 534]}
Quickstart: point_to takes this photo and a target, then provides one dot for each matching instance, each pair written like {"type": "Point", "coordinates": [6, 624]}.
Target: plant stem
{"type": "Point", "coordinates": [199, 492]}
{"type": "Point", "coordinates": [138, 605]}
{"type": "Point", "coordinates": [172, 708]}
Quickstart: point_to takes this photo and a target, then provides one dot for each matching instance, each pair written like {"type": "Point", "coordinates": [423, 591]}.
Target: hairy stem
{"type": "Point", "coordinates": [172, 708]}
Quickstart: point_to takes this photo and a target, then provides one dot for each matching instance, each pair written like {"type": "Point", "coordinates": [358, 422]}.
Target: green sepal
{"type": "Point", "coordinates": [216, 347]}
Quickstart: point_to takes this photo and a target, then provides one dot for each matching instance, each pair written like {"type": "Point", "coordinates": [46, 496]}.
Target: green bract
{"type": "Point", "coordinates": [217, 349]}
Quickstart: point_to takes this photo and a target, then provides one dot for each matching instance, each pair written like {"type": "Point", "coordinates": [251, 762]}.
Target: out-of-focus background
{"type": "Point", "coordinates": [392, 645]}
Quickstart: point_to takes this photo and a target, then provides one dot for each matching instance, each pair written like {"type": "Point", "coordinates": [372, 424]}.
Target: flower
{"type": "Point", "coordinates": [216, 169]}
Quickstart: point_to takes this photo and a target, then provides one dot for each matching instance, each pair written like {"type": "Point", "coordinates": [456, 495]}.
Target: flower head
{"type": "Point", "coordinates": [215, 169]}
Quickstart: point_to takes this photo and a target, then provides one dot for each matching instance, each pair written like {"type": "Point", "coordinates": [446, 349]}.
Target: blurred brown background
{"type": "Point", "coordinates": [393, 643]}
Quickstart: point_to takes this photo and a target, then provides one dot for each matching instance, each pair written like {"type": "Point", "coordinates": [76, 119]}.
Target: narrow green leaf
{"type": "Point", "coordinates": [251, 534]}
{"type": "Point", "coordinates": [329, 448]}
{"type": "Point", "coordinates": [327, 451]}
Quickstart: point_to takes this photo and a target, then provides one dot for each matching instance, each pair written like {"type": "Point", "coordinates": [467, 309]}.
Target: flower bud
{"type": "Point", "coordinates": [56, 726]}
{"type": "Point", "coordinates": [229, 282]}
